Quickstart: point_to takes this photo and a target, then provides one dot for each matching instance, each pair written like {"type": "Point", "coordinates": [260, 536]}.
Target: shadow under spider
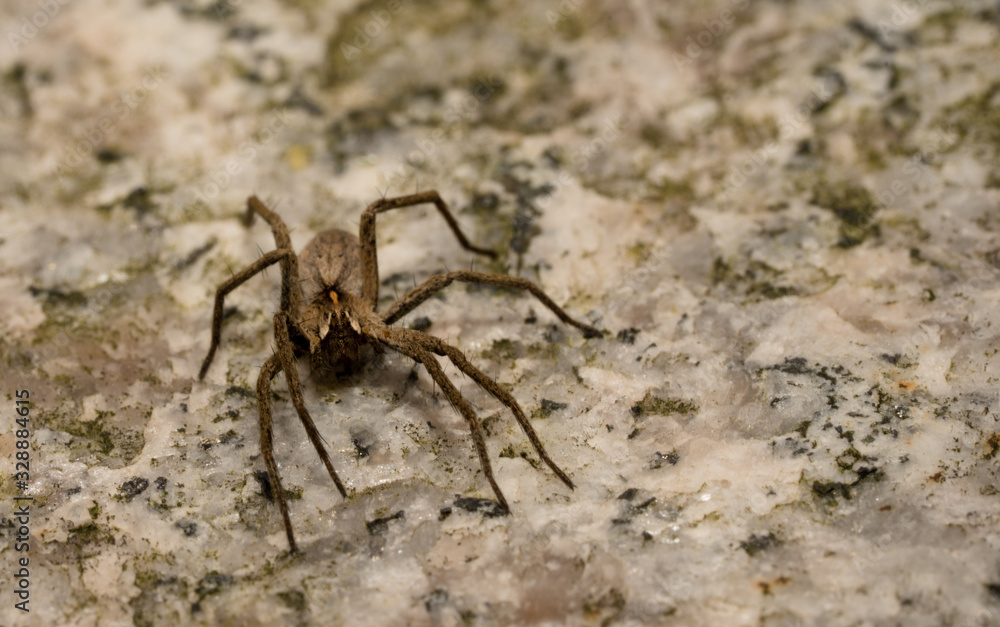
{"type": "Point", "coordinates": [329, 295]}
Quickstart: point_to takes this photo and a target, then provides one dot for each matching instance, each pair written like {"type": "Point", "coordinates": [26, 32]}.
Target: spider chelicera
{"type": "Point", "coordinates": [329, 295]}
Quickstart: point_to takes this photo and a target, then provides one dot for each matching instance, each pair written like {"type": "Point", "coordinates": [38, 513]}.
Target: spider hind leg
{"type": "Point", "coordinates": [400, 341]}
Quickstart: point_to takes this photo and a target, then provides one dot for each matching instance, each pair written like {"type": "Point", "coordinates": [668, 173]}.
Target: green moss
{"type": "Point", "coordinates": [750, 132]}
{"type": "Point", "coordinates": [612, 601]}
{"type": "Point", "coordinates": [93, 431]}
{"type": "Point", "coordinates": [566, 24]}
{"type": "Point", "coordinates": [854, 207]}
{"type": "Point", "coordinates": [152, 379]}
{"type": "Point", "coordinates": [546, 350]}
{"type": "Point", "coordinates": [759, 281]}
{"type": "Point", "coordinates": [212, 584]}
{"type": "Point", "coordinates": [653, 135]}
{"type": "Point", "coordinates": [504, 350]}
{"type": "Point", "coordinates": [293, 599]}
{"type": "Point", "coordinates": [148, 607]}
{"type": "Point", "coordinates": [56, 298]}
{"type": "Point", "coordinates": [638, 252]}
{"type": "Point", "coordinates": [659, 406]}
{"type": "Point", "coordinates": [944, 23]}
{"type": "Point", "coordinates": [64, 380]}
{"type": "Point", "coordinates": [831, 490]}
{"type": "Point", "coordinates": [848, 458]}
{"type": "Point", "coordinates": [721, 271]}
{"type": "Point", "coordinates": [758, 543]}
{"type": "Point", "coordinates": [90, 533]}
{"type": "Point", "coordinates": [976, 118]}
{"type": "Point", "coordinates": [491, 424]}
{"type": "Point", "coordinates": [675, 190]}
{"type": "Point", "coordinates": [992, 446]}
{"type": "Point", "coordinates": [534, 463]}
{"type": "Point", "coordinates": [770, 291]}
{"type": "Point", "coordinates": [545, 409]}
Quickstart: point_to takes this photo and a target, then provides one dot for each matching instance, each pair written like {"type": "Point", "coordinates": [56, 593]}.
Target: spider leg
{"type": "Point", "coordinates": [270, 368]}
{"type": "Point", "coordinates": [412, 299]}
{"type": "Point", "coordinates": [286, 355]}
{"type": "Point", "coordinates": [291, 293]}
{"type": "Point", "coordinates": [369, 255]}
{"type": "Point", "coordinates": [220, 295]}
{"type": "Point", "coordinates": [440, 347]}
{"type": "Point", "coordinates": [403, 343]}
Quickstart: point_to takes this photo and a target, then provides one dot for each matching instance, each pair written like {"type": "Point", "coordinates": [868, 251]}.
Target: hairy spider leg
{"type": "Point", "coordinates": [396, 339]}
{"type": "Point", "coordinates": [413, 298]}
{"type": "Point", "coordinates": [285, 354]}
{"type": "Point", "coordinates": [267, 372]}
{"type": "Point", "coordinates": [440, 347]}
{"type": "Point", "coordinates": [369, 254]}
{"type": "Point", "coordinates": [243, 276]}
{"type": "Point", "coordinates": [291, 291]}
{"type": "Point", "coordinates": [416, 345]}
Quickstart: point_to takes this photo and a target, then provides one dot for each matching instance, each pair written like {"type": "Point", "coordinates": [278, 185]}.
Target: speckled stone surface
{"type": "Point", "coordinates": [785, 215]}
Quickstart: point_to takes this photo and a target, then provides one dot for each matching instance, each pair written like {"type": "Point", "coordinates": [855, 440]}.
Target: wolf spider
{"type": "Point", "coordinates": [329, 295]}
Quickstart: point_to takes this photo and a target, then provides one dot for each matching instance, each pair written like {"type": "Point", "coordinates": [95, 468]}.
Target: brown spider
{"type": "Point", "coordinates": [328, 300]}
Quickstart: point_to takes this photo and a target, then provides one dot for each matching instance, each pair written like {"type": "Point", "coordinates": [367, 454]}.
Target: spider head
{"type": "Point", "coordinates": [333, 321]}
{"type": "Point", "coordinates": [331, 310]}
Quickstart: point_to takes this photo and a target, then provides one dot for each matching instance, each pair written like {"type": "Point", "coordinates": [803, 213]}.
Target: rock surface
{"type": "Point", "coordinates": [784, 214]}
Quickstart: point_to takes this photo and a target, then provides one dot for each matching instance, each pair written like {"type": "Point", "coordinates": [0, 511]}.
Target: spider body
{"type": "Point", "coordinates": [328, 311]}
{"type": "Point", "coordinates": [330, 277]}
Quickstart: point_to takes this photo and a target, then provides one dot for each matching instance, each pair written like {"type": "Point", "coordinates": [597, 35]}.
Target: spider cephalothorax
{"type": "Point", "coordinates": [330, 276]}
{"type": "Point", "coordinates": [328, 298]}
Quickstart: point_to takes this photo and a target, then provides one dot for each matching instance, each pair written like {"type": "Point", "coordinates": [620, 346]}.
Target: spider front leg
{"type": "Point", "coordinates": [286, 353]}
{"type": "Point", "coordinates": [291, 293]}
{"type": "Point", "coordinates": [369, 255]}
{"type": "Point", "coordinates": [398, 340]}
{"type": "Point", "coordinates": [412, 299]}
{"type": "Point", "coordinates": [284, 359]}
{"type": "Point", "coordinates": [267, 372]}
{"type": "Point", "coordinates": [220, 295]}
